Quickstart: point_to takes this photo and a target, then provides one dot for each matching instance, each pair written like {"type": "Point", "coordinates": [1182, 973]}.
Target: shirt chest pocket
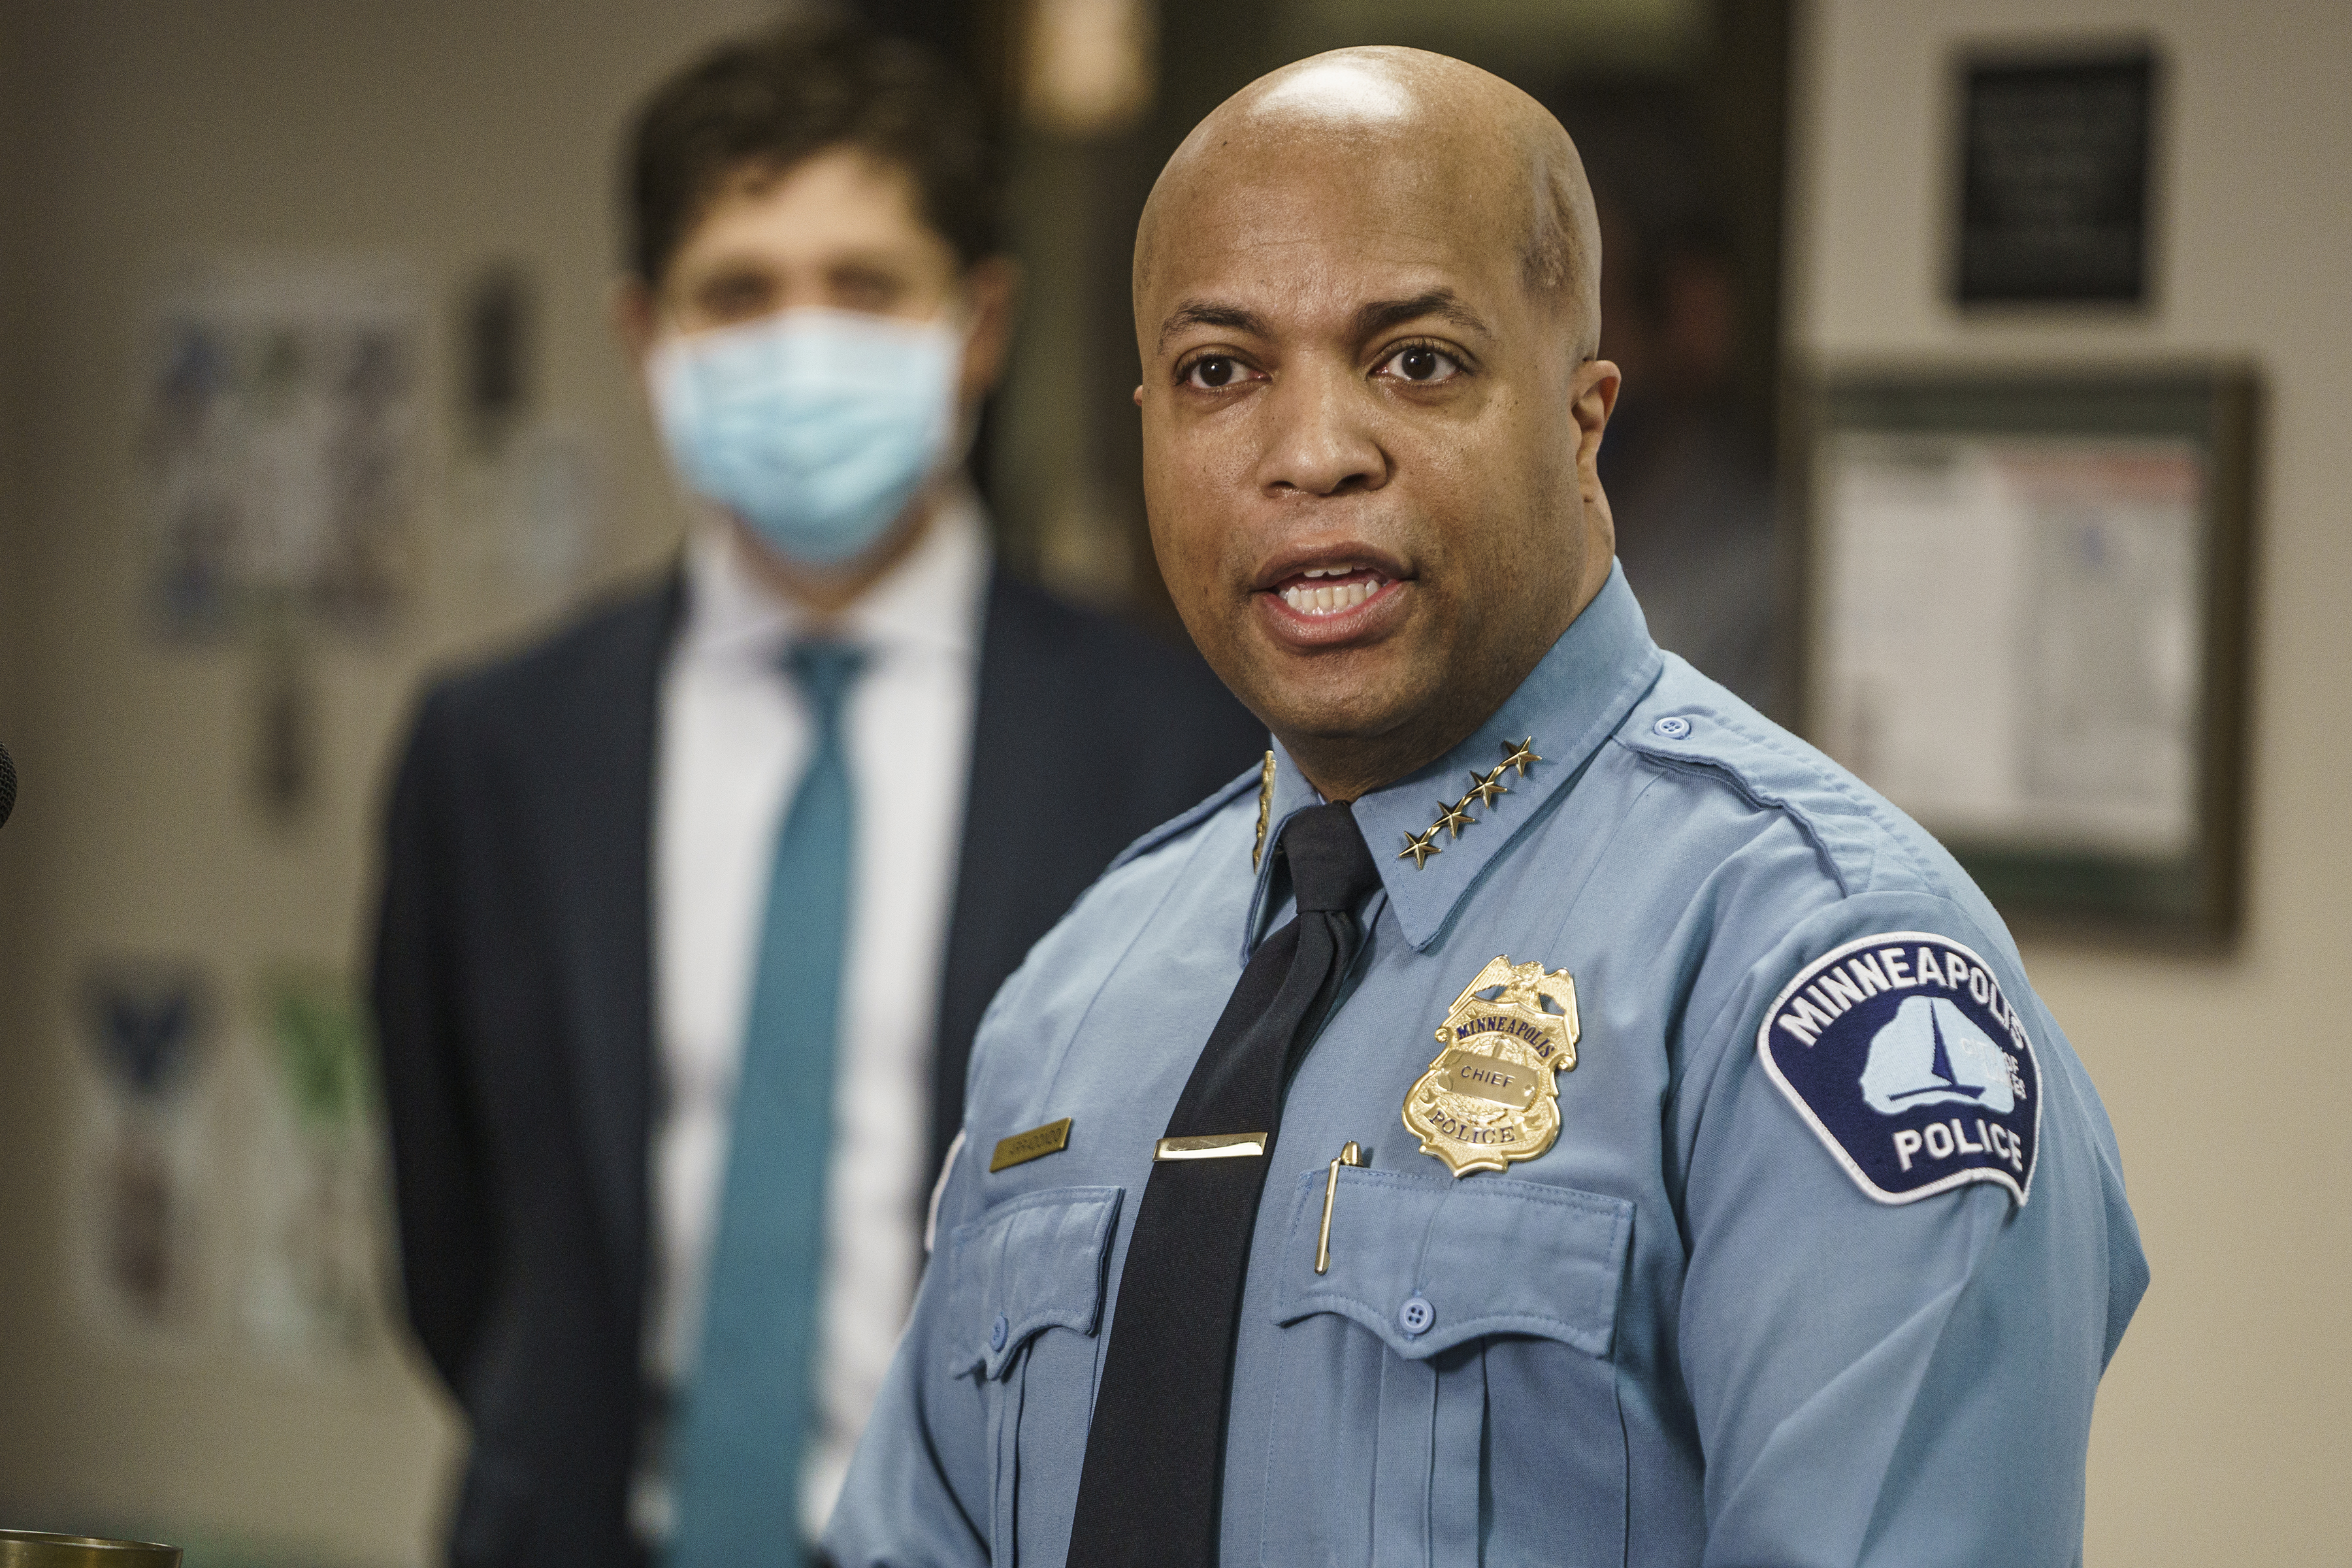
{"type": "Point", "coordinates": [1448, 1394]}
{"type": "Point", "coordinates": [1028, 1300]}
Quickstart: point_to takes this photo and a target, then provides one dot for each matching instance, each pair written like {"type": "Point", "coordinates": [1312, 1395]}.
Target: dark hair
{"type": "Point", "coordinates": [772, 98]}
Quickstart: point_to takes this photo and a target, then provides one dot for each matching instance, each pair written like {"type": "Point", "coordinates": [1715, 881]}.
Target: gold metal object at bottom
{"type": "Point", "coordinates": [36, 1549]}
{"type": "Point", "coordinates": [1213, 1146]}
{"type": "Point", "coordinates": [1351, 1156]}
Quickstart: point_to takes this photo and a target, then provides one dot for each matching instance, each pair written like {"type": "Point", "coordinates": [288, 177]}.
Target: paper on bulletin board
{"type": "Point", "coordinates": [230, 1185]}
{"type": "Point", "coordinates": [278, 419]}
{"type": "Point", "coordinates": [312, 1285]}
{"type": "Point", "coordinates": [143, 1224]}
{"type": "Point", "coordinates": [536, 510]}
{"type": "Point", "coordinates": [2009, 642]}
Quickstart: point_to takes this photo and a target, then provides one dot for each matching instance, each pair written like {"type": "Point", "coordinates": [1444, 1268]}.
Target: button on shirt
{"type": "Point", "coordinates": [735, 739]}
{"type": "Point", "coordinates": [1685, 1333]}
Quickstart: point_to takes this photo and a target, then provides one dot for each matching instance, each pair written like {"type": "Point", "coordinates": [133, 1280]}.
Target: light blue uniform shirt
{"type": "Point", "coordinates": [1692, 1331]}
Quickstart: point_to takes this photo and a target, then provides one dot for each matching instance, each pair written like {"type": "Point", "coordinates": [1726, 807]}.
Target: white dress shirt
{"type": "Point", "coordinates": [735, 737]}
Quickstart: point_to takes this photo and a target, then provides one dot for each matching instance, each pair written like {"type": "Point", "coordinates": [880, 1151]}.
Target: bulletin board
{"type": "Point", "coordinates": [2024, 619]}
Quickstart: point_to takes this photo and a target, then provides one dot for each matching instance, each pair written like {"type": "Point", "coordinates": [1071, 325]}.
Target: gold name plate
{"type": "Point", "coordinates": [1033, 1144]}
{"type": "Point", "coordinates": [1215, 1146]}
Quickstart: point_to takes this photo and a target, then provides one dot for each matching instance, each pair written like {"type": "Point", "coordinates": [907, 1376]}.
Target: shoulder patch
{"type": "Point", "coordinates": [1902, 1052]}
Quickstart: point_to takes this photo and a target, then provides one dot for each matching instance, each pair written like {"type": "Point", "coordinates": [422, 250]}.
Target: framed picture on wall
{"type": "Point", "coordinates": [2054, 198]}
{"type": "Point", "coordinates": [2024, 621]}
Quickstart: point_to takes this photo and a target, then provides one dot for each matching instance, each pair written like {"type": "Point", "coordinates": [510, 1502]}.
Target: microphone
{"type": "Point", "coordinates": [7, 786]}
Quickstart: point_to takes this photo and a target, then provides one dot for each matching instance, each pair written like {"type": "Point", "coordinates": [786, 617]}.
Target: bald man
{"type": "Point", "coordinates": [1752, 1210]}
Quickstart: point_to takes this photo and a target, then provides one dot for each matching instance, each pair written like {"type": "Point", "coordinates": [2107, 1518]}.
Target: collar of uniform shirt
{"type": "Point", "coordinates": [928, 602]}
{"type": "Point", "coordinates": [1572, 700]}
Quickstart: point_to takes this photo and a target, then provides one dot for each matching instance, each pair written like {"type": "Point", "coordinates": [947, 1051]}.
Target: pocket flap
{"type": "Point", "coordinates": [1481, 1256]}
{"type": "Point", "coordinates": [1033, 1263]}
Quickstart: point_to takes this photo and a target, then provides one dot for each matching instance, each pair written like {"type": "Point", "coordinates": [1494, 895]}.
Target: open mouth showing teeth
{"type": "Point", "coordinates": [1330, 590]}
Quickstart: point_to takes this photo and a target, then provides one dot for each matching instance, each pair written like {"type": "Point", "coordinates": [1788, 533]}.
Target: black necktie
{"type": "Point", "coordinates": [1148, 1498]}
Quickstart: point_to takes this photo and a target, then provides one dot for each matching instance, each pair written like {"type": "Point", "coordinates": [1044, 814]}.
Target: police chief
{"type": "Point", "coordinates": [1547, 1113]}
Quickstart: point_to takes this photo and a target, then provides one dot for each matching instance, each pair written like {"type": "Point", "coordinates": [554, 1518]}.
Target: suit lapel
{"type": "Point", "coordinates": [601, 784]}
{"type": "Point", "coordinates": [1007, 841]}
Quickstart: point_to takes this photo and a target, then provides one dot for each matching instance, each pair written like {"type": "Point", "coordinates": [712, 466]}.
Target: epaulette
{"type": "Point", "coordinates": [1854, 829]}
{"type": "Point", "coordinates": [1176, 826]}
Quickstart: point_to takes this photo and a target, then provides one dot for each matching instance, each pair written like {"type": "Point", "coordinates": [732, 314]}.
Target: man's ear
{"type": "Point", "coordinates": [1592, 397]}
{"type": "Point", "coordinates": [992, 284]}
{"type": "Point", "coordinates": [632, 308]}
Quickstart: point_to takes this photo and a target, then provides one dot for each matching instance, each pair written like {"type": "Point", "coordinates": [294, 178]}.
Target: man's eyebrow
{"type": "Point", "coordinates": [1442, 303]}
{"type": "Point", "coordinates": [1209, 313]}
{"type": "Point", "coordinates": [1371, 319]}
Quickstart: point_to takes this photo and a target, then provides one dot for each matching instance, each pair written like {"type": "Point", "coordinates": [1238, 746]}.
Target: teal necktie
{"type": "Point", "coordinates": [749, 1411]}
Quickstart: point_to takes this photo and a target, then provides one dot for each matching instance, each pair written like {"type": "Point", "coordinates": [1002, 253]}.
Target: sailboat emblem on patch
{"type": "Point", "coordinates": [1904, 1055]}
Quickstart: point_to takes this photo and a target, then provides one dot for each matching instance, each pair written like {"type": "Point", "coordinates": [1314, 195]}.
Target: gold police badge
{"type": "Point", "coordinates": [1490, 1097]}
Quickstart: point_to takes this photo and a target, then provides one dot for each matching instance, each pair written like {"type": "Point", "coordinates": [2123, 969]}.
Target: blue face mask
{"type": "Point", "coordinates": [817, 427]}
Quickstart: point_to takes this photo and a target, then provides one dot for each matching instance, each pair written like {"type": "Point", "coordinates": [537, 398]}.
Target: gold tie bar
{"type": "Point", "coordinates": [1213, 1146]}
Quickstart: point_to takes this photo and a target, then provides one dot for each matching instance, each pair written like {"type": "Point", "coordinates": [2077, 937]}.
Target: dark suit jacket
{"type": "Point", "coordinates": [514, 998]}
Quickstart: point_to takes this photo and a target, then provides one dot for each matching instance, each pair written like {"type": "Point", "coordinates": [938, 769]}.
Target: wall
{"type": "Point", "coordinates": [443, 134]}
{"type": "Point", "coordinates": [2220, 1434]}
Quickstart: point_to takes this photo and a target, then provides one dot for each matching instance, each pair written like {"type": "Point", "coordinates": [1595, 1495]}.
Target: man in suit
{"type": "Point", "coordinates": [690, 911]}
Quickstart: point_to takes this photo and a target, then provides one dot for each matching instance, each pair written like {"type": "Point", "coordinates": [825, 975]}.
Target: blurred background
{"type": "Point", "coordinates": [406, 215]}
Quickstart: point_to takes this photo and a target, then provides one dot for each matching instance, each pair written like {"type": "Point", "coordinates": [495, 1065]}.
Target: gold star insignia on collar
{"type": "Point", "coordinates": [1265, 805]}
{"type": "Point", "coordinates": [1519, 756]}
{"type": "Point", "coordinates": [1454, 816]}
{"type": "Point", "coordinates": [1485, 787]}
{"type": "Point", "coordinates": [1419, 850]}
